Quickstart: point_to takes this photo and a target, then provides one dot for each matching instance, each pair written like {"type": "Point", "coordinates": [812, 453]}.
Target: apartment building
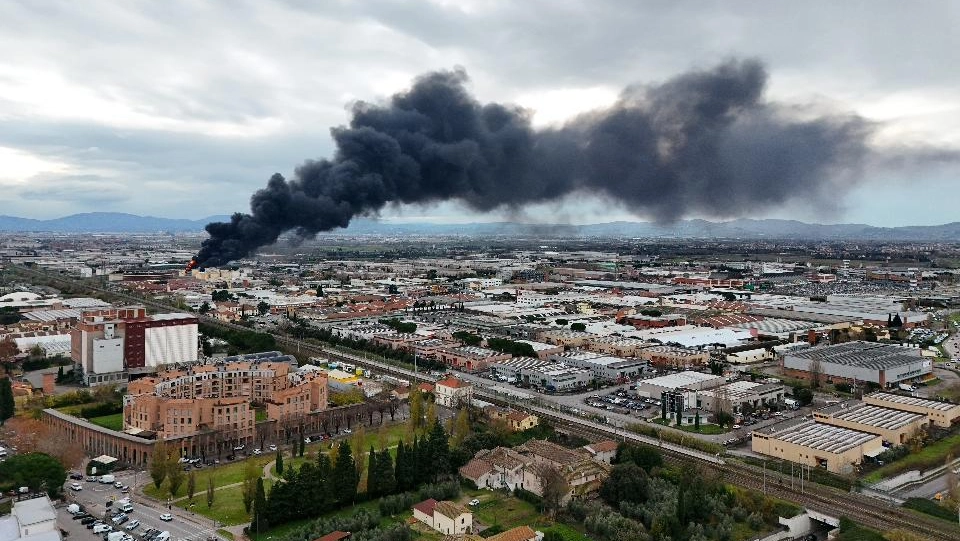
{"type": "Point", "coordinates": [212, 405]}
{"type": "Point", "coordinates": [109, 344]}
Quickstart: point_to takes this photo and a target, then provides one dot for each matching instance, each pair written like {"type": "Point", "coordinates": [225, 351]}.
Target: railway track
{"type": "Point", "coordinates": [829, 501]}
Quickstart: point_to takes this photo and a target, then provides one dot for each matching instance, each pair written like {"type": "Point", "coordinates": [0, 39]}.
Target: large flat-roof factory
{"type": "Point", "coordinates": [883, 364]}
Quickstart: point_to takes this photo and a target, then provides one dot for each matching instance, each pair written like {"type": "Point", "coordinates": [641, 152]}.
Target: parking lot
{"type": "Point", "coordinates": [624, 402]}
{"type": "Point", "coordinates": [93, 498]}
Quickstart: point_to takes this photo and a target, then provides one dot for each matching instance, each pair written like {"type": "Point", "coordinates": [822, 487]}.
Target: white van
{"type": "Point", "coordinates": [107, 479]}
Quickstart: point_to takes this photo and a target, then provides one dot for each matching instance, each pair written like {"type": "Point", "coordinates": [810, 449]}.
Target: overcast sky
{"type": "Point", "coordinates": [184, 108]}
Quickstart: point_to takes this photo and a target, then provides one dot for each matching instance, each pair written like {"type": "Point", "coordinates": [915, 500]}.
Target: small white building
{"type": "Point", "coordinates": [30, 520]}
{"type": "Point", "coordinates": [452, 392]}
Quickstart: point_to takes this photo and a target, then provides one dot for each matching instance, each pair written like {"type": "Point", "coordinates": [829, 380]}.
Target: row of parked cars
{"type": "Point", "coordinates": [622, 401]}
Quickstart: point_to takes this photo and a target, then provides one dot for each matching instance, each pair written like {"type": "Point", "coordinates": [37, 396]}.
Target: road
{"type": "Point", "coordinates": [185, 525]}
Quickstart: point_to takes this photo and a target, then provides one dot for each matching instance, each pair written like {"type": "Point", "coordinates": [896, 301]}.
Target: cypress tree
{"type": "Point", "coordinates": [324, 483]}
{"type": "Point", "coordinates": [259, 522]}
{"type": "Point", "coordinates": [279, 465]}
{"type": "Point", "coordinates": [399, 470]}
{"type": "Point", "coordinates": [373, 474]}
{"type": "Point", "coordinates": [439, 451]}
{"type": "Point", "coordinates": [387, 482]}
{"type": "Point", "coordinates": [7, 405]}
{"type": "Point", "coordinates": [345, 476]}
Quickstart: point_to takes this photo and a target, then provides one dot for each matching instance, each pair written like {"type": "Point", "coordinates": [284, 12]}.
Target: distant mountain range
{"type": "Point", "coordinates": [115, 222]}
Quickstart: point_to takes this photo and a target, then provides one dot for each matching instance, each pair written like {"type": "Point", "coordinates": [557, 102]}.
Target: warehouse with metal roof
{"type": "Point", "coordinates": [896, 427]}
{"type": "Point", "coordinates": [883, 364]}
{"type": "Point", "coordinates": [942, 414]}
{"type": "Point", "coordinates": [818, 445]}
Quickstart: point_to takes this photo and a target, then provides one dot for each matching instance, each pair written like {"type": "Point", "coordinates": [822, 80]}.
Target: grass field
{"type": "Point", "coordinates": [227, 505]}
{"type": "Point", "coordinates": [224, 474]}
{"type": "Point", "coordinates": [113, 422]}
{"type": "Point", "coordinates": [930, 456]}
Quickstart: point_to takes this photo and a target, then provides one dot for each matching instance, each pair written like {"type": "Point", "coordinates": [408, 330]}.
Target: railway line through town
{"type": "Point", "coordinates": [829, 501]}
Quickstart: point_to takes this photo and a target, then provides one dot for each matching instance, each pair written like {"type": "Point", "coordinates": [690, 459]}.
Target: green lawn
{"type": "Point", "coordinates": [931, 456]}
{"type": "Point", "coordinates": [224, 474]}
{"type": "Point", "coordinates": [113, 422]}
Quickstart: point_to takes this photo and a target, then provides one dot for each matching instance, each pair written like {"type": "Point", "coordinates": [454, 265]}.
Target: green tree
{"type": "Point", "coordinates": [460, 428]}
{"type": "Point", "coordinates": [626, 483]}
{"type": "Point", "coordinates": [260, 522]}
{"type": "Point", "coordinates": [302, 444]}
{"type": "Point", "coordinates": [345, 475]}
{"type": "Point", "coordinates": [644, 456]}
{"type": "Point", "coordinates": [249, 487]}
{"type": "Point", "coordinates": [158, 463]}
{"type": "Point", "coordinates": [7, 405]}
{"type": "Point", "coordinates": [578, 327]}
{"type": "Point", "coordinates": [431, 416]}
{"type": "Point", "coordinates": [38, 471]}
{"type": "Point", "coordinates": [416, 409]}
{"type": "Point", "coordinates": [279, 464]}
{"type": "Point", "coordinates": [204, 308]}
{"type": "Point", "coordinates": [175, 474]}
{"type": "Point", "coordinates": [696, 421]}
{"type": "Point", "coordinates": [263, 308]}
{"type": "Point", "coordinates": [438, 446]}
{"type": "Point", "coordinates": [210, 492]}
{"type": "Point", "coordinates": [191, 484]}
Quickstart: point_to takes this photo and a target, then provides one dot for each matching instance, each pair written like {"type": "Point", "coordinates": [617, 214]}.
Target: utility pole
{"type": "Point", "coordinates": [764, 476]}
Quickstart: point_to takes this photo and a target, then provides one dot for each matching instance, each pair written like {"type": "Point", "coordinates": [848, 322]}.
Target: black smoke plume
{"type": "Point", "coordinates": [704, 143]}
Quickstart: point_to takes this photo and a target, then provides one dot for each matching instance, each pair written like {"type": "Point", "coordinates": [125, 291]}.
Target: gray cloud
{"type": "Point", "coordinates": [193, 104]}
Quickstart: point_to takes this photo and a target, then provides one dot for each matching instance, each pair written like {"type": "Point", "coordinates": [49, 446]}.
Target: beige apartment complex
{"type": "Point", "coordinates": [212, 406]}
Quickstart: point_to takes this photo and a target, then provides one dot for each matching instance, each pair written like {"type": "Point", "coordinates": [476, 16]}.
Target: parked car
{"type": "Point", "coordinates": [133, 525]}
{"type": "Point", "coordinates": [91, 479]}
{"type": "Point", "coordinates": [257, 451]}
{"type": "Point", "coordinates": [76, 486]}
{"type": "Point", "coordinates": [238, 448]}
{"type": "Point", "coordinates": [474, 502]}
{"type": "Point", "coordinates": [166, 517]}
{"type": "Point", "coordinates": [118, 484]}
{"type": "Point", "coordinates": [77, 476]}
{"type": "Point", "coordinates": [272, 447]}
{"type": "Point", "coordinates": [101, 528]}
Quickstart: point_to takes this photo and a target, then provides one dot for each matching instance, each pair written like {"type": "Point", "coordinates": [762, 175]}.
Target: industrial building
{"type": "Point", "coordinates": [691, 381]}
{"type": "Point", "coordinates": [470, 358]}
{"type": "Point", "coordinates": [604, 368]}
{"type": "Point", "coordinates": [883, 364]}
{"type": "Point", "coordinates": [674, 357]}
{"type": "Point", "coordinates": [734, 396]}
{"type": "Point", "coordinates": [556, 377]}
{"type": "Point", "coordinates": [894, 426]}
{"type": "Point", "coordinates": [510, 369]}
{"type": "Point", "coordinates": [941, 414]}
{"type": "Point", "coordinates": [804, 441]}
{"type": "Point", "coordinates": [109, 344]}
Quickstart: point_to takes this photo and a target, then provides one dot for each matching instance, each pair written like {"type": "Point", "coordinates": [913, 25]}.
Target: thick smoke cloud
{"type": "Point", "coordinates": [703, 143]}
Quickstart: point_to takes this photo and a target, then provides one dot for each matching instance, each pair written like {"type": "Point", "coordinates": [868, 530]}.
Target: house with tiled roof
{"type": "Point", "coordinates": [498, 468]}
{"type": "Point", "coordinates": [602, 451]}
{"type": "Point", "coordinates": [334, 536]}
{"type": "Point", "coordinates": [452, 392]}
{"type": "Point", "coordinates": [445, 517]}
{"type": "Point", "coordinates": [520, 533]}
{"type": "Point", "coordinates": [584, 475]}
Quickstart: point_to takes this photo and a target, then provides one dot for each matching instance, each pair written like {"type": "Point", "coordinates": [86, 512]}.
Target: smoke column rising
{"type": "Point", "coordinates": [704, 143]}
